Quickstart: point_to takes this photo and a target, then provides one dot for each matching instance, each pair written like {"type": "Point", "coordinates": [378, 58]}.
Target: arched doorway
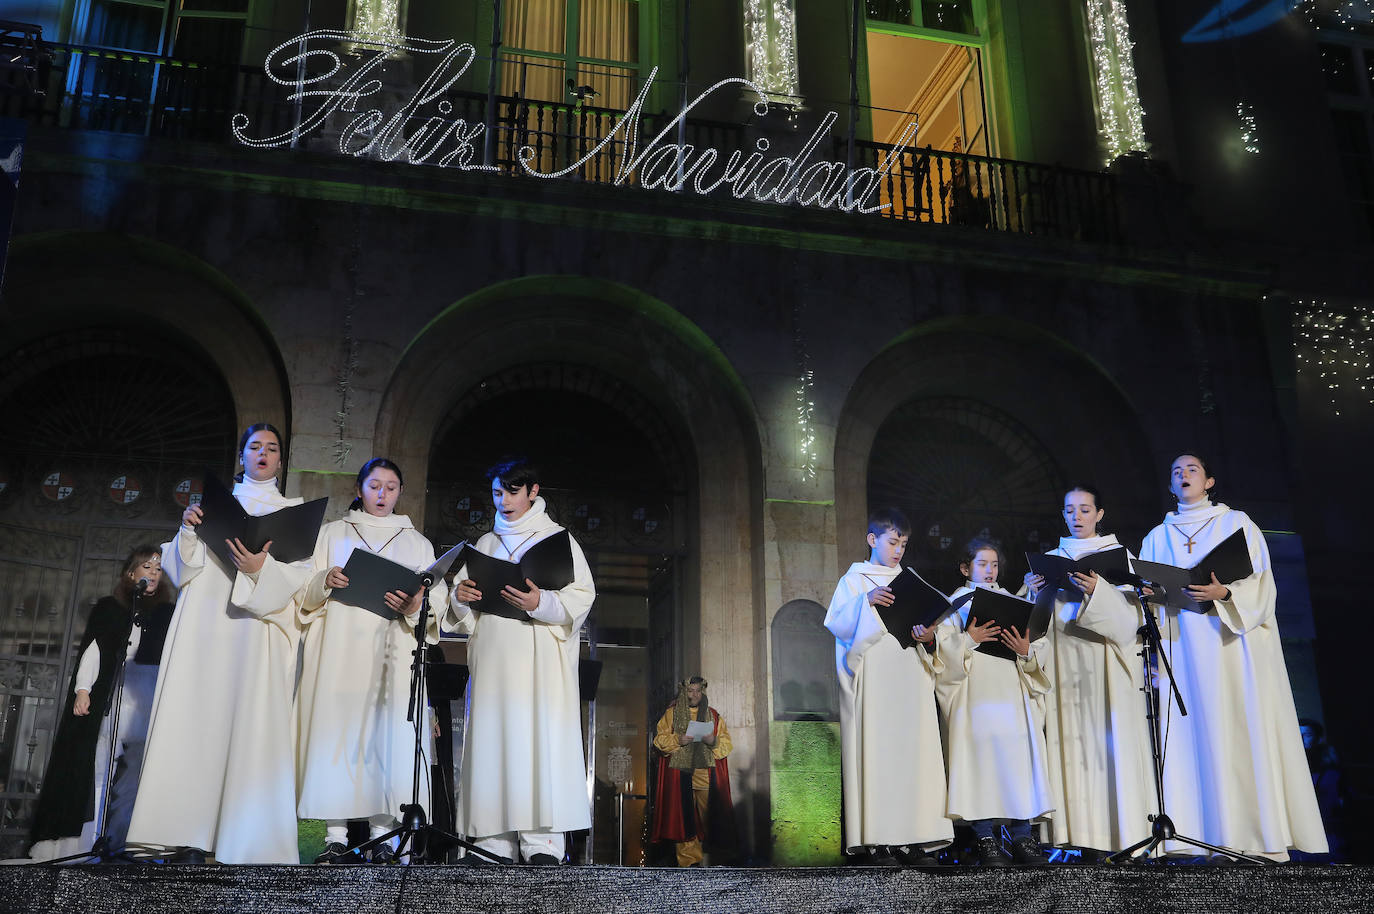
{"type": "Point", "coordinates": [960, 468]}
{"type": "Point", "coordinates": [650, 449]}
{"type": "Point", "coordinates": [126, 367]}
{"type": "Point", "coordinates": [106, 444]}
{"type": "Point", "coordinates": [974, 427]}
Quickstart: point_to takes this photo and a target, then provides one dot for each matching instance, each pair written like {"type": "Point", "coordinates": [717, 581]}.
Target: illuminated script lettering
{"type": "Point", "coordinates": [421, 130]}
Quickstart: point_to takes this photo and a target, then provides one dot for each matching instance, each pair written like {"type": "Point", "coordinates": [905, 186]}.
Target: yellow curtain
{"type": "Point", "coordinates": [534, 25]}
{"type": "Point", "coordinates": [609, 30]}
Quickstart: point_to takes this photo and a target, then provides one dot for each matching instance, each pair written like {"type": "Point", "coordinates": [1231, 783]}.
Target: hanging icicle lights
{"type": "Point", "coordinates": [378, 19]}
{"type": "Point", "coordinates": [806, 433]}
{"type": "Point", "coordinates": [411, 135]}
{"type": "Point", "coordinates": [1118, 102]}
{"type": "Point", "coordinates": [770, 48]}
{"type": "Point", "coordinates": [1249, 132]}
{"type": "Point", "coordinates": [1334, 346]}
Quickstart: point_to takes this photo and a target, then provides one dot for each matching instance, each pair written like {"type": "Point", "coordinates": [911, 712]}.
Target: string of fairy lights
{"type": "Point", "coordinates": [770, 48]}
{"type": "Point", "coordinates": [378, 19]}
{"type": "Point", "coordinates": [805, 404]}
{"type": "Point", "coordinates": [1122, 119]}
{"type": "Point", "coordinates": [1333, 346]}
{"type": "Point", "coordinates": [1249, 130]}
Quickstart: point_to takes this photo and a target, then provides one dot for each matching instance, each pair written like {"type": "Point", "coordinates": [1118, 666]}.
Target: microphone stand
{"type": "Point", "coordinates": [99, 848]}
{"type": "Point", "coordinates": [1161, 826]}
{"type": "Point", "coordinates": [415, 828]}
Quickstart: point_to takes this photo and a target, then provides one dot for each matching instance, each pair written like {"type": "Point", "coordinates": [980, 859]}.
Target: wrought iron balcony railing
{"type": "Point", "coordinates": [124, 92]}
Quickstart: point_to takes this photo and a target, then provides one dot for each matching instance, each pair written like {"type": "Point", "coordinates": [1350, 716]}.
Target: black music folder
{"type": "Point", "coordinates": [292, 530]}
{"type": "Point", "coordinates": [1229, 561]}
{"type": "Point", "coordinates": [548, 563]}
{"type": "Point", "coordinates": [371, 577]}
{"type": "Point", "coordinates": [1008, 611]}
{"type": "Point", "coordinates": [1112, 565]}
{"type": "Point", "coordinates": [915, 602]}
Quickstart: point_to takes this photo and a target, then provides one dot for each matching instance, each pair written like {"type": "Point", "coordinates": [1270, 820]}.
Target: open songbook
{"type": "Point", "coordinates": [915, 601]}
{"type": "Point", "coordinates": [1008, 611]}
{"type": "Point", "coordinates": [1113, 565]}
{"type": "Point", "coordinates": [1229, 561]}
{"type": "Point", "coordinates": [371, 577]}
{"type": "Point", "coordinates": [292, 531]}
{"type": "Point", "coordinates": [548, 563]}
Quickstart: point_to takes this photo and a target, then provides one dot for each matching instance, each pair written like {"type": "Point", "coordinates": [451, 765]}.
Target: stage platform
{"type": "Point", "coordinates": [284, 890]}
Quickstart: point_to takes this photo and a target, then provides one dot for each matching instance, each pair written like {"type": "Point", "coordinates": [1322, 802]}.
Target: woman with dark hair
{"type": "Point", "coordinates": [219, 773]}
{"type": "Point", "coordinates": [356, 747]}
{"type": "Point", "coordinates": [66, 820]}
{"type": "Point", "coordinates": [1234, 770]}
{"type": "Point", "coordinates": [1099, 751]}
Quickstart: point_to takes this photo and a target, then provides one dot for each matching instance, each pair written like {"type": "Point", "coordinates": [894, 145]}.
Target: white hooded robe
{"type": "Point", "coordinates": [219, 766]}
{"type": "Point", "coordinates": [1235, 773]}
{"type": "Point", "coordinates": [891, 763]}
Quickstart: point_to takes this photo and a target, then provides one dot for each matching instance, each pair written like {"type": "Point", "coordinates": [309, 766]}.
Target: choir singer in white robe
{"type": "Point", "coordinates": [219, 767]}
{"type": "Point", "coordinates": [1095, 728]}
{"type": "Point", "coordinates": [523, 782]}
{"type": "Point", "coordinates": [356, 747]}
{"type": "Point", "coordinates": [1235, 773]}
{"type": "Point", "coordinates": [891, 763]}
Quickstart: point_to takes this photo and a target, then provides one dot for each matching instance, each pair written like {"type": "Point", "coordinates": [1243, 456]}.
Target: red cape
{"type": "Point", "coordinates": [675, 815]}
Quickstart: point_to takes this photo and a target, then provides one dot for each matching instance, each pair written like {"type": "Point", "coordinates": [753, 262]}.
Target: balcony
{"type": "Point", "coordinates": [88, 88]}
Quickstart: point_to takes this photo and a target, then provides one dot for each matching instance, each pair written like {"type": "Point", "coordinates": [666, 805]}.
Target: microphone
{"type": "Point", "coordinates": [141, 587]}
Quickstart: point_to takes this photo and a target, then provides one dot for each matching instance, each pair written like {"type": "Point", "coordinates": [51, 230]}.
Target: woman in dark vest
{"type": "Point", "coordinates": [72, 795]}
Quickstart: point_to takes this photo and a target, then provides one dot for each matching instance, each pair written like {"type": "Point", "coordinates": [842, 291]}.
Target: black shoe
{"type": "Point", "coordinates": [383, 854]}
{"type": "Point", "coordinates": [1026, 850]}
{"type": "Point", "coordinates": [335, 852]}
{"type": "Point", "coordinates": [989, 852]}
{"type": "Point", "coordinates": [543, 860]}
{"type": "Point", "coordinates": [474, 859]}
{"type": "Point", "coordinates": [914, 856]}
{"type": "Point", "coordinates": [193, 856]}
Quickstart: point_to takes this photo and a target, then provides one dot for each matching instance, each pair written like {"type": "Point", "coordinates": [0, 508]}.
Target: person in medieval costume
{"type": "Point", "coordinates": [692, 805]}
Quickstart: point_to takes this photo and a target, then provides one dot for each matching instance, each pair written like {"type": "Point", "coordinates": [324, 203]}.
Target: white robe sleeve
{"type": "Point", "coordinates": [932, 660]}
{"type": "Point", "coordinates": [563, 610]}
{"type": "Point", "coordinates": [460, 618]}
{"type": "Point", "coordinates": [854, 623]}
{"type": "Point", "coordinates": [1037, 671]}
{"type": "Point", "coordinates": [958, 649]}
{"type": "Point", "coordinates": [272, 593]}
{"type": "Point", "coordinates": [314, 596]}
{"type": "Point", "coordinates": [184, 557]}
{"type": "Point", "coordinates": [1254, 599]}
{"type": "Point", "coordinates": [89, 669]}
{"type": "Point", "coordinates": [1113, 613]}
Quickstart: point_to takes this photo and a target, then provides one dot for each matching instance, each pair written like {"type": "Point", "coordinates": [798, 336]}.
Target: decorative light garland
{"type": "Point", "coordinates": [659, 164]}
{"type": "Point", "coordinates": [1249, 131]}
{"type": "Point", "coordinates": [770, 49]}
{"type": "Point", "coordinates": [1335, 345]}
{"type": "Point", "coordinates": [806, 406]}
{"type": "Point", "coordinates": [378, 20]}
{"type": "Point", "coordinates": [1353, 13]}
{"type": "Point", "coordinates": [1118, 99]}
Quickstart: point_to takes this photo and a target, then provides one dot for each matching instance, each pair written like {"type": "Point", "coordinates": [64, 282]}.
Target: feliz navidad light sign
{"type": "Point", "coordinates": [446, 142]}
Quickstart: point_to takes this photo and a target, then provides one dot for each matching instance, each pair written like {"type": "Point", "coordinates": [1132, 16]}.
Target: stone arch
{"type": "Point", "coordinates": [525, 325]}
{"type": "Point", "coordinates": [85, 279]}
{"type": "Point", "coordinates": [1077, 411]}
